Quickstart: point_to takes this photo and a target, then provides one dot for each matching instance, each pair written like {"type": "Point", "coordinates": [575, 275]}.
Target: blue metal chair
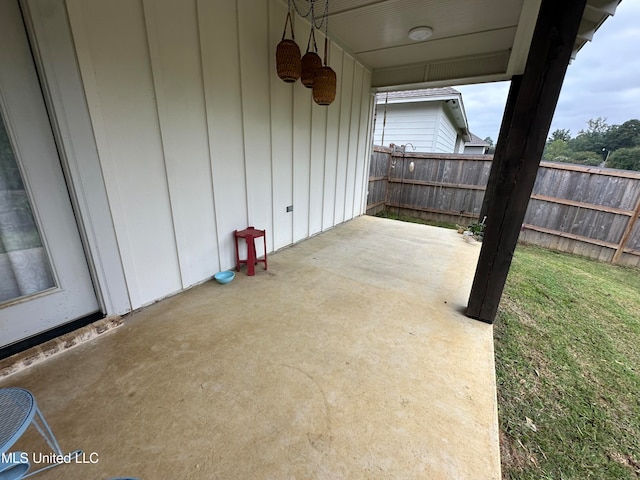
{"type": "Point", "coordinates": [13, 466]}
{"type": "Point", "coordinates": [18, 410]}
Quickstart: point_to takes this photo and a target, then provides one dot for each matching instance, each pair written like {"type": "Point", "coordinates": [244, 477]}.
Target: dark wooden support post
{"type": "Point", "coordinates": [498, 156]}
{"type": "Point", "coordinates": [517, 164]}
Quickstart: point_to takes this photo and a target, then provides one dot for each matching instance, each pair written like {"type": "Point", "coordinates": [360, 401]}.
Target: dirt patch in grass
{"type": "Point", "coordinates": [626, 461]}
{"type": "Point", "coordinates": [513, 454]}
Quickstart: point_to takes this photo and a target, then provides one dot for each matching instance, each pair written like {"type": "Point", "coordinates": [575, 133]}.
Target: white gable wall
{"type": "Point", "coordinates": [475, 150]}
{"type": "Point", "coordinates": [423, 124]}
{"type": "Point", "coordinates": [197, 136]}
{"type": "Point", "coordinates": [445, 141]}
{"type": "Point", "coordinates": [414, 123]}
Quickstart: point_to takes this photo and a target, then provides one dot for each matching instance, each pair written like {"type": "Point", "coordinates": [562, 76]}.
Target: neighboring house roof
{"type": "Point", "coordinates": [476, 141]}
{"type": "Point", "coordinates": [417, 95]}
{"type": "Point", "coordinates": [451, 97]}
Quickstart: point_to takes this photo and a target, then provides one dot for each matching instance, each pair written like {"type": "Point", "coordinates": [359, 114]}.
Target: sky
{"type": "Point", "coordinates": [603, 81]}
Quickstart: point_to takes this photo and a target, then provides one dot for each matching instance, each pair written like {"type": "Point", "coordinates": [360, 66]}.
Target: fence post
{"type": "Point", "coordinates": [390, 166]}
{"type": "Point", "coordinates": [627, 233]}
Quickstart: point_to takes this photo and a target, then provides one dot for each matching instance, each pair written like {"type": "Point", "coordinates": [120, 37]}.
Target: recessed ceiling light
{"type": "Point", "coordinates": [419, 34]}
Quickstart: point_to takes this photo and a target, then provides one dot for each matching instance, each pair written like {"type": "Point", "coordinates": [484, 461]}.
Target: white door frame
{"type": "Point", "coordinates": [54, 53]}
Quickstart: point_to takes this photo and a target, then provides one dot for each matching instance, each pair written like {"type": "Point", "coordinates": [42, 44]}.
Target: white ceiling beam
{"type": "Point", "coordinates": [524, 34]}
{"type": "Point", "coordinates": [607, 7]}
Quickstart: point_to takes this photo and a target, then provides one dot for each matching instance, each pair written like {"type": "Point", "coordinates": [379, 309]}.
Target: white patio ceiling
{"type": "Point", "coordinates": [473, 40]}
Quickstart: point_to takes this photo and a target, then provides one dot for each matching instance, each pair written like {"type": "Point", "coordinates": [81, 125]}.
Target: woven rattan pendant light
{"type": "Point", "coordinates": [321, 78]}
{"type": "Point", "coordinates": [325, 81]}
{"type": "Point", "coordinates": [288, 61]}
{"type": "Point", "coordinates": [311, 61]}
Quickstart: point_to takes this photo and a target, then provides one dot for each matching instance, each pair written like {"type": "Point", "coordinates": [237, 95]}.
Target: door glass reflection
{"type": "Point", "coordinates": [24, 265]}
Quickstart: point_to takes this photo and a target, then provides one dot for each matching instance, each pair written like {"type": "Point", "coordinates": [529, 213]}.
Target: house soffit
{"type": "Point", "coordinates": [473, 41]}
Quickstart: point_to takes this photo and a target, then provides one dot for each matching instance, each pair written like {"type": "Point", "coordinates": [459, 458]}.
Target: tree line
{"type": "Point", "coordinates": [601, 144]}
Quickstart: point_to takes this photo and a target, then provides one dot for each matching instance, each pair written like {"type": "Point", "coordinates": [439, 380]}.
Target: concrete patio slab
{"type": "Point", "coordinates": [349, 358]}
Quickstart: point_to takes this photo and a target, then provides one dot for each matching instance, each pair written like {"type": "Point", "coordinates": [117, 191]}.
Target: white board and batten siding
{"type": "Point", "coordinates": [198, 137]}
{"type": "Point", "coordinates": [415, 123]}
{"type": "Point", "coordinates": [425, 125]}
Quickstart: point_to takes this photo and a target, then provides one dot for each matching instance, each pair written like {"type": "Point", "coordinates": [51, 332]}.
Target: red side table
{"type": "Point", "coordinates": [250, 234]}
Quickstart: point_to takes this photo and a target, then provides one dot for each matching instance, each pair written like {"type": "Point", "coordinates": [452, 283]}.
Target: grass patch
{"type": "Point", "coordinates": [567, 342]}
{"type": "Point", "coordinates": [406, 218]}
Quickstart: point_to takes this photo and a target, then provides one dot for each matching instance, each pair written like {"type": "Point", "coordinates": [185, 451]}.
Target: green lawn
{"type": "Point", "coordinates": [567, 342]}
{"type": "Point", "coordinates": [394, 215]}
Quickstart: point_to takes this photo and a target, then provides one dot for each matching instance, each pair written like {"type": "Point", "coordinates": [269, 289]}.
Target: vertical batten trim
{"type": "Point", "coordinates": [367, 153]}
{"type": "Point", "coordinates": [367, 149]}
{"type": "Point", "coordinates": [293, 162]}
{"type": "Point", "coordinates": [324, 167]}
{"type": "Point", "coordinates": [346, 180]}
{"type": "Point", "coordinates": [107, 163]}
{"type": "Point", "coordinates": [269, 75]}
{"type": "Point", "coordinates": [244, 142]}
{"type": "Point", "coordinates": [293, 151]}
{"type": "Point", "coordinates": [335, 187]}
{"type": "Point", "coordinates": [362, 147]}
{"type": "Point", "coordinates": [207, 110]}
{"type": "Point", "coordinates": [359, 130]}
{"type": "Point", "coordinates": [310, 169]}
{"type": "Point", "coordinates": [101, 239]}
{"type": "Point", "coordinates": [156, 72]}
{"type": "Point", "coordinates": [294, 220]}
{"type": "Point", "coordinates": [337, 127]}
{"type": "Point", "coordinates": [365, 185]}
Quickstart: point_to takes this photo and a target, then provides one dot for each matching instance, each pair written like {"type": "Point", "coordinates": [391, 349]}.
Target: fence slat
{"type": "Point", "coordinates": [427, 183]}
{"type": "Point", "coordinates": [589, 206]}
{"type": "Point", "coordinates": [570, 236]}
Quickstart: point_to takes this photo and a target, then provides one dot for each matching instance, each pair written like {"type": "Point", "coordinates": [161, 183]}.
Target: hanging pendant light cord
{"type": "Point", "coordinates": [326, 33]}
{"type": "Point", "coordinates": [312, 33]}
{"type": "Point", "coordinates": [325, 16]}
{"type": "Point", "coordinates": [311, 12]}
{"type": "Point", "coordinates": [315, 45]}
{"type": "Point", "coordinates": [303, 15]}
{"type": "Point", "coordinates": [322, 25]}
{"type": "Point", "coordinates": [289, 20]}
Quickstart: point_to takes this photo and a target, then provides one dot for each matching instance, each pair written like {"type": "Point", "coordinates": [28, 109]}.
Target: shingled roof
{"type": "Point", "coordinates": [424, 93]}
{"type": "Point", "coordinates": [476, 141]}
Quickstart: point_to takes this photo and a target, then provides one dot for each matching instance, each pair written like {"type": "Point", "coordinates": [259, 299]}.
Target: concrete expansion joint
{"type": "Point", "coordinates": [32, 356]}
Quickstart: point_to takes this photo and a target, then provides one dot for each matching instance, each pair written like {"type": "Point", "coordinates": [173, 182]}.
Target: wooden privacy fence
{"type": "Point", "coordinates": [432, 186]}
{"type": "Point", "coordinates": [588, 211]}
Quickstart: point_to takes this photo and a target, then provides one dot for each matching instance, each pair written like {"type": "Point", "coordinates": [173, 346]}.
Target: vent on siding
{"type": "Point", "coordinates": [469, 67]}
